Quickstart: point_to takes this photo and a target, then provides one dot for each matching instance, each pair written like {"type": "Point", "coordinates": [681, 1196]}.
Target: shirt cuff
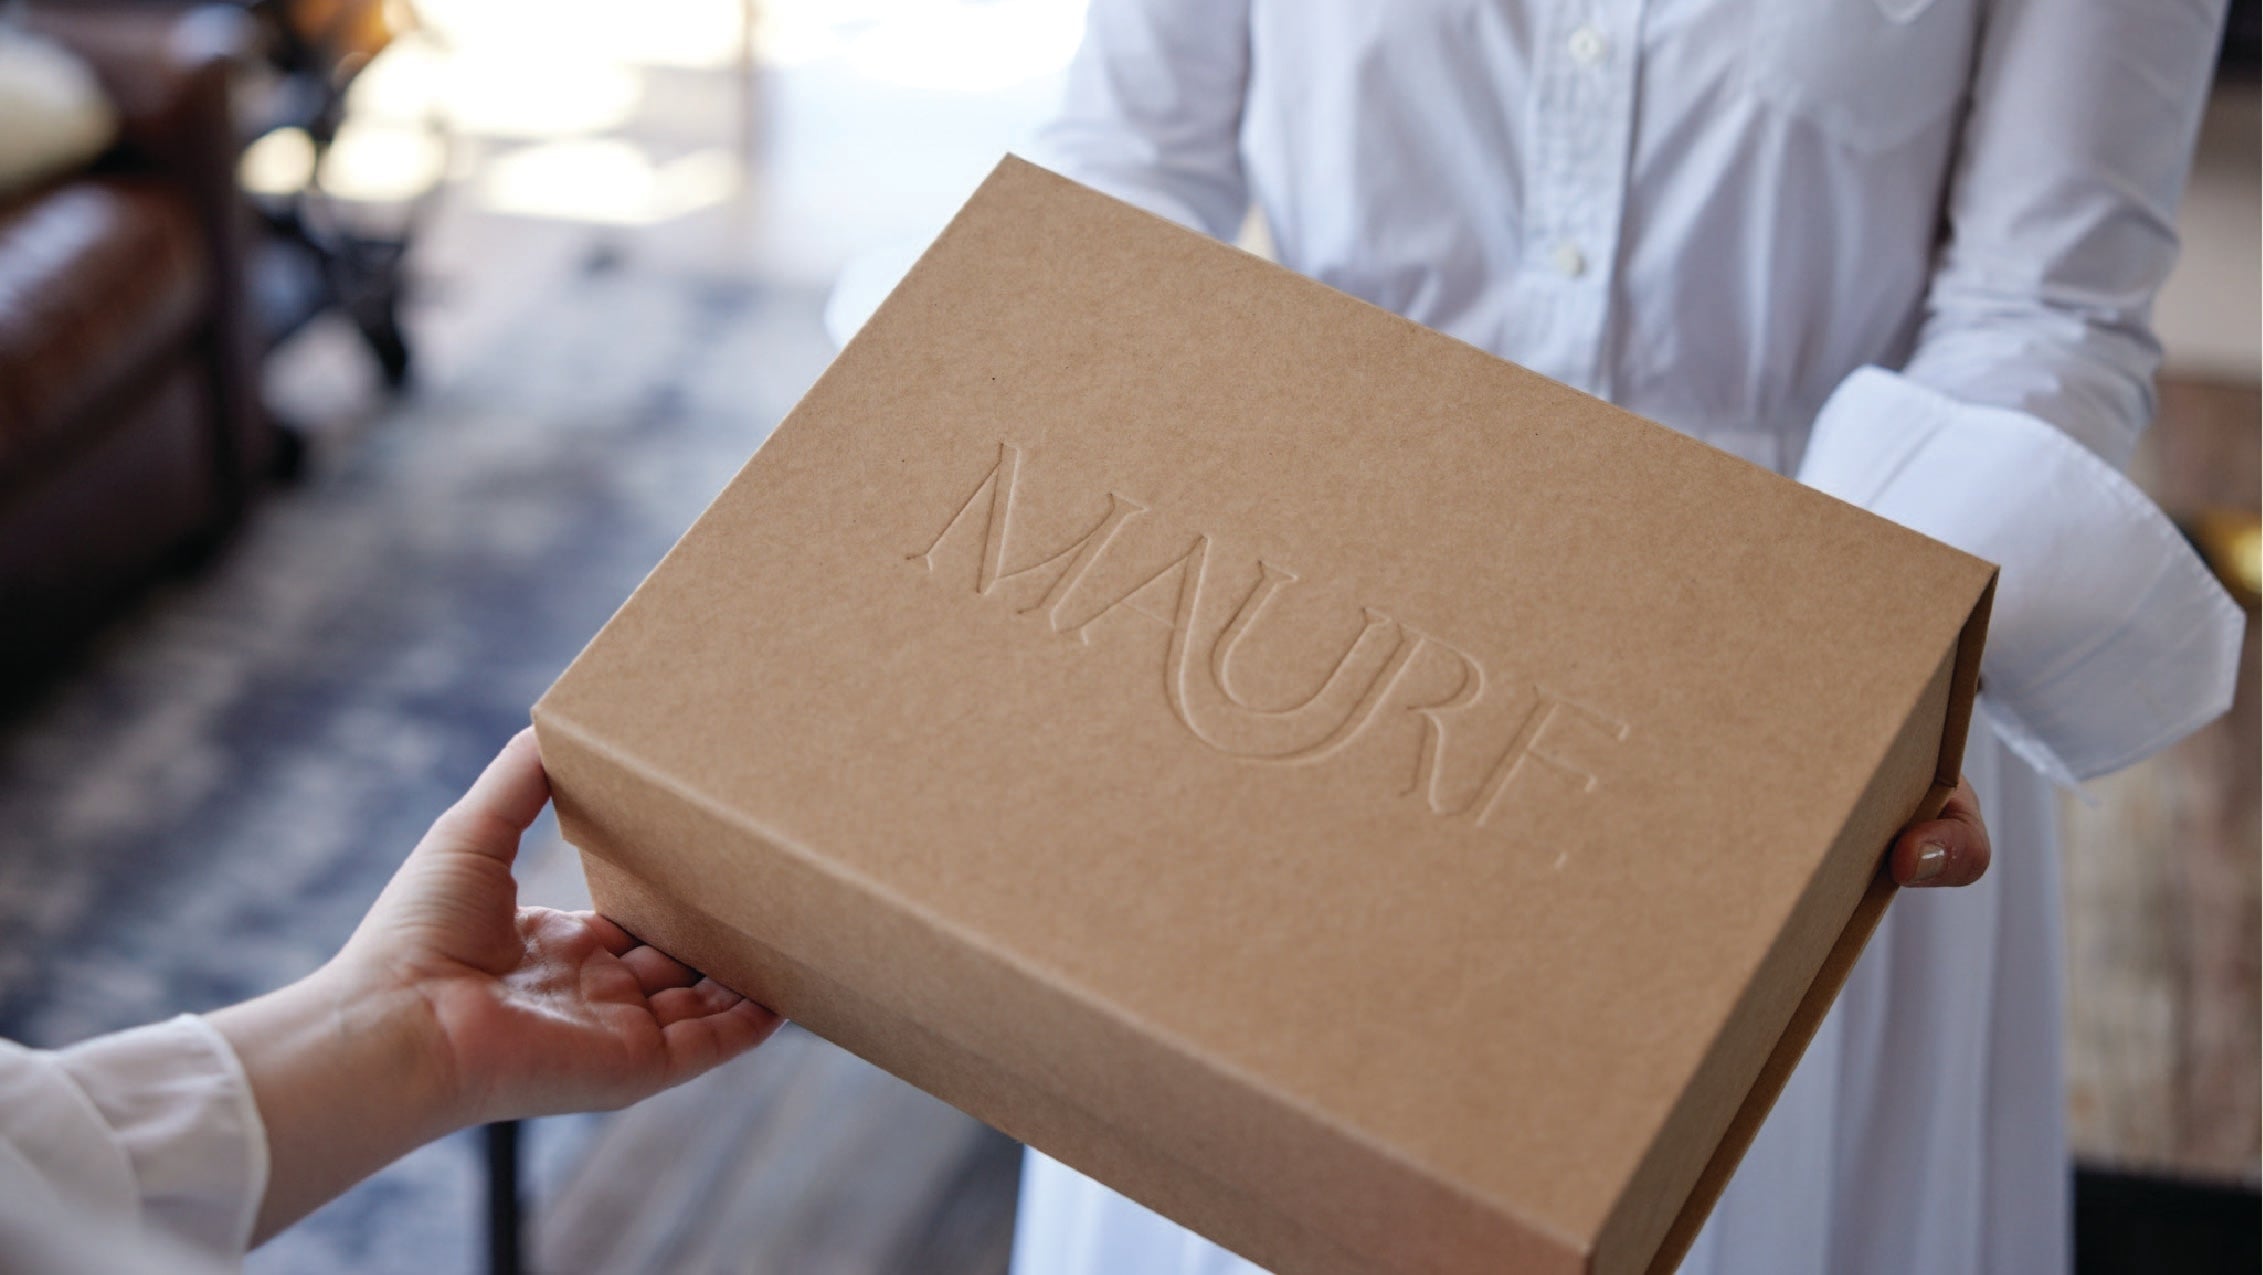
{"type": "Point", "coordinates": [181, 1108]}
{"type": "Point", "coordinates": [2110, 638]}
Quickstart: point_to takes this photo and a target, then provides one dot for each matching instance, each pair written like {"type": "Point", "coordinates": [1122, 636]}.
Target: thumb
{"type": "Point", "coordinates": [500, 805]}
{"type": "Point", "coordinates": [1949, 849]}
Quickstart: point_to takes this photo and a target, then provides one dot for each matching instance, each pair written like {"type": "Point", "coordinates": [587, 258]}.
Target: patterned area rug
{"type": "Point", "coordinates": [204, 806]}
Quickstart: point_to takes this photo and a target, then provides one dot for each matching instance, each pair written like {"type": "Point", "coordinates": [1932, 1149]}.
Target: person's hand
{"type": "Point", "coordinates": [451, 1005]}
{"type": "Point", "coordinates": [1948, 849]}
{"type": "Point", "coordinates": [535, 1011]}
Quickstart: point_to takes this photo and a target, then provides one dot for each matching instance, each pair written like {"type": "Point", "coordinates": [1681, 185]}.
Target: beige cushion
{"type": "Point", "coordinates": [54, 117]}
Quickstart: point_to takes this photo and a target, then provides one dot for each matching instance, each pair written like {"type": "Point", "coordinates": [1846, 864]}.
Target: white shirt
{"type": "Point", "coordinates": [141, 1151]}
{"type": "Point", "coordinates": [1903, 249]}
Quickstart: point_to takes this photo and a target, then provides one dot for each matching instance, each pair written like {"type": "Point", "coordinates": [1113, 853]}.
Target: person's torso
{"type": "Point", "coordinates": [1708, 211]}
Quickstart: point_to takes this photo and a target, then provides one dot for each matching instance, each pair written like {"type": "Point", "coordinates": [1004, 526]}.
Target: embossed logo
{"type": "Point", "coordinates": [1480, 741]}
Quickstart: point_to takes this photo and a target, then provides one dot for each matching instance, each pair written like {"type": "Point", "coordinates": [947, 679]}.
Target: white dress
{"type": "Point", "coordinates": [1903, 249]}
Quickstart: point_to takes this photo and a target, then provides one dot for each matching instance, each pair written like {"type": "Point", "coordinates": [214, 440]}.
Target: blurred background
{"type": "Point", "coordinates": [529, 279]}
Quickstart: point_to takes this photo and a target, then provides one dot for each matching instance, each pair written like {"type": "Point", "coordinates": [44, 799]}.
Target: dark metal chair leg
{"type": "Point", "coordinates": [503, 1202]}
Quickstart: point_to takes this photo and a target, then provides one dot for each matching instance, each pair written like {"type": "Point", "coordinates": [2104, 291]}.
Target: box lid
{"type": "Point", "coordinates": [1396, 783]}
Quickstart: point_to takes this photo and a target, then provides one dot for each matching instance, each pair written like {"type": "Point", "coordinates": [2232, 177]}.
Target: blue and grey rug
{"type": "Point", "coordinates": [203, 806]}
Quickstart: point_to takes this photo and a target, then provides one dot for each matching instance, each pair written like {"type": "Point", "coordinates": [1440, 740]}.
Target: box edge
{"type": "Point", "coordinates": [1839, 961]}
{"type": "Point", "coordinates": [1486, 1224]}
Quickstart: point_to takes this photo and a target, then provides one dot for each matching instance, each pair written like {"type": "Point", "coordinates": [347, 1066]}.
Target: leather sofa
{"type": "Point", "coordinates": [131, 435]}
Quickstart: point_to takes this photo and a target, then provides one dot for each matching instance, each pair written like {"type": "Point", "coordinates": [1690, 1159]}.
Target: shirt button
{"type": "Point", "coordinates": [1588, 46]}
{"type": "Point", "coordinates": [1569, 261]}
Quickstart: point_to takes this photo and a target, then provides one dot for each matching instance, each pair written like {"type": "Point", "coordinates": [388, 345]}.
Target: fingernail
{"type": "Point", "coordinates": [1932, 857]}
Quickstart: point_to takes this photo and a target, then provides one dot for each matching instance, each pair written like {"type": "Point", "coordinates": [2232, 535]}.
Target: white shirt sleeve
{"type": "Point", "coordinates": [1153, 107]}
{"type": "Point", "coordinates": [129, 1149]}
{"type": "Point", "coordinates": [2032, 378]}
{"type": "Point", "coordinates": [2109, 639]}
{"type": "Point", "coordinates": [1151, 114]}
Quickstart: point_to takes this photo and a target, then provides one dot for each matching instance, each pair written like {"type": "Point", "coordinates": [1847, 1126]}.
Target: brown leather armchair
{"type": "Point", "coordinates": [131, 434]}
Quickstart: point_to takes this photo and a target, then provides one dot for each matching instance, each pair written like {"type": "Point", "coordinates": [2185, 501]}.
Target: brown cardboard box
{"type": "Point", "coordinates": [1375, 805]}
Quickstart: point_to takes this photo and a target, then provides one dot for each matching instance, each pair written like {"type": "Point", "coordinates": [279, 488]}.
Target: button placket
{"type": "Point", "coordinates": [1581, 129]}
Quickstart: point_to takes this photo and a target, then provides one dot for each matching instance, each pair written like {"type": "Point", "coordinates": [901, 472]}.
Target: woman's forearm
{"type": "Point", "coordinates": [346, 1078]}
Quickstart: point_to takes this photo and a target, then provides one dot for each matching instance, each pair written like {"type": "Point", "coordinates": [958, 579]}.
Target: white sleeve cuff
{"type": "Point", "coordinates": [2110, 638]}
{"type": "Point", "coordinates": [181, 1108]}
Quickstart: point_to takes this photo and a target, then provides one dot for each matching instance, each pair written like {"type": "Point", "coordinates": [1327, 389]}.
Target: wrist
{"type": "Point", "coordinates": [380, 1023]}
{"type": "Point", "coordinates": [348, 1074]}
